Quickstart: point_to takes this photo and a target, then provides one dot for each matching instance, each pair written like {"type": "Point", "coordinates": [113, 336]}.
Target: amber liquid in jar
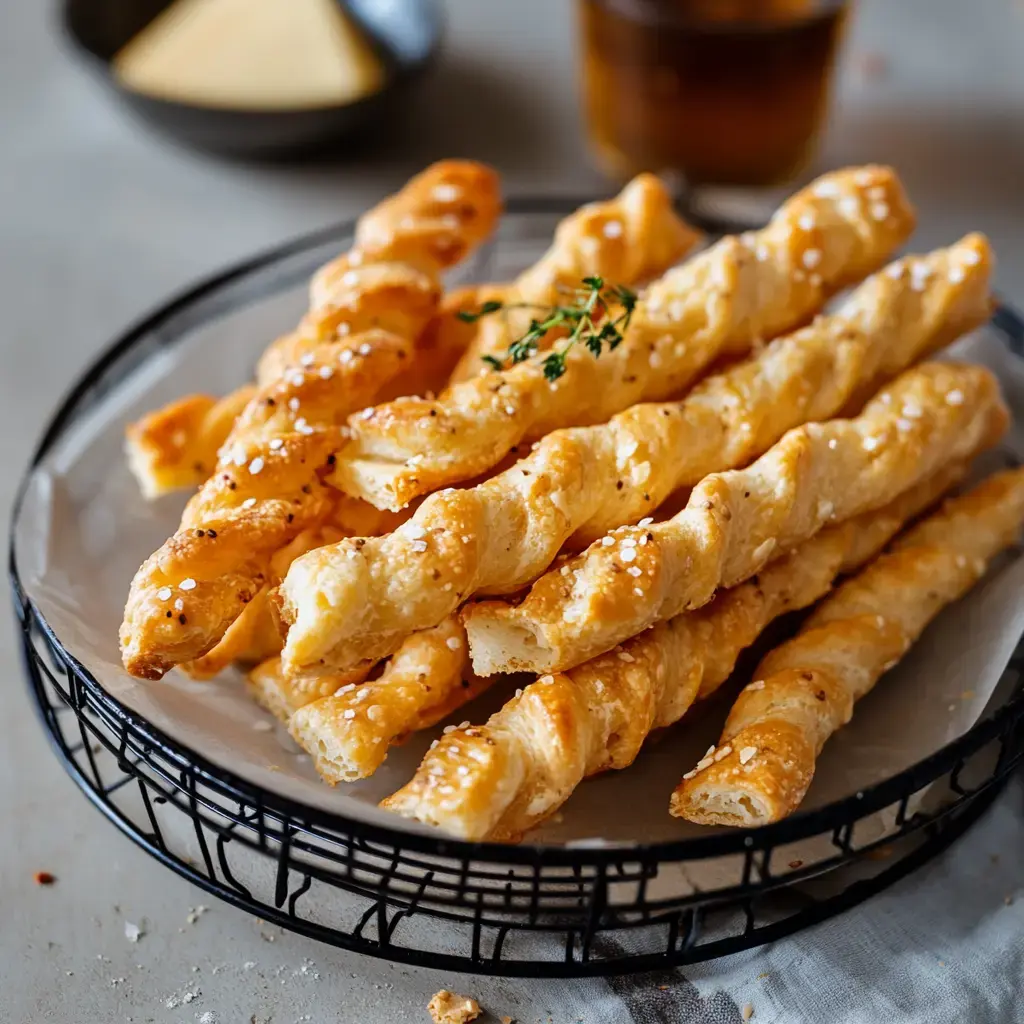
{"type": "Point", "coordinates": [725, 91]}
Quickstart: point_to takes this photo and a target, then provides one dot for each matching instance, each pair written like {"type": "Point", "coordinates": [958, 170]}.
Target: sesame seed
{"type": "Point", "coordinates": [704, 762]}
{"type": "Point", "coordinates": [638, 591]}
{"type": "Point", "coordinates": [248, 503]}
{"type": "Point", "coordinates": [326, 372]}
{"type": "Point", "coordinates": [187, 584]}
{"type": "Point", "coordinates": [869, 444]}
{"type": "Point", "coordinates": [971, 257]}
{"type": "Point", "coordinates": [627, 554]}
{"type": "Point", "coordinates": [466, 538]}
{"type": "Point", "coordinates": [722, 753]}
{"type": "Point", "coordinates": [419, 546]}
{"type": "Point", "coordinates": [690, 775]}
{"type": "Point", "coordinates": [880, 211]}
{"type": "Point", "coordinates": [812, 258]}
{"type": "Point", "coordinates": [275, 443]}
{"type": "Point", "coordinates": [510, 410]}
{"type": "Point", "coordinates": [849, 206]}
{"type": "Point", "coordinates": [757, 684]}
{"type": "Point", "coordinates": [612, 229]}
{"type": "Point", "coordinates": [346, 355]}
{"type": "Point", "coordinates": [256, 465]}
{"type": "Point", "coordinates": [453, 643]}
{"type": "Point", "coordinates": [826, 189]}
{"type": "Point", "coordinates": [295, 378]}
{"type": "Point", "coordinates": [634, 570]}
{"type": "Point", "coordinates": [364, 349]}
{"type": "Point", "coordinates": [833, 444]}
{"type": "Point", "coordinates": [445, 193]}
{"type": "Point", "coordinates": [625, 656]}
{"type": "Point", "coordinates": [806, 222]}
{"type": "Point", "coordinates": [747, 753]}
{"type": "Point", "coordinates": [955, 397]}
{"type": "Point", "coordinates": [307, 359]}
{"type": "Point", "coordinates": [164, 593]}
{"type": "Point", "coordinates": [302, 426]}
{"type": "Point", "coordinates": [956, 275]}
{"type": "Point", "coordinates": [293, 404]}
{"type": "Point", "coordinates": [646, 521]}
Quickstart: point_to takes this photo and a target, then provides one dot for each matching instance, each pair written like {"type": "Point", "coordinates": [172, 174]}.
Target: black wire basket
{"type": "Point", "coordinates": [534, 910]}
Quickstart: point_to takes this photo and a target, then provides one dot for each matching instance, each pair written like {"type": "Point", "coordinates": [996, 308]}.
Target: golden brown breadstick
{"type": "Point", "coordinates": [720, 303]}
{"type": "Point", "coordinates": [805, 690]}
{"type": "Point", "coordinates": [269, 484]}
{"type": "Point", "coordinates": [348, 734]}
{"type": "Point", "coordinates": [508, 775]}
{"type": "Point", "coordinates": [629, 240]}
{"type": "Point", "coordinates": [429, 224]}
{"type": "Point", "coordinates": [583, 481]}
{"type": "Point", "coordinates": [735, 522]}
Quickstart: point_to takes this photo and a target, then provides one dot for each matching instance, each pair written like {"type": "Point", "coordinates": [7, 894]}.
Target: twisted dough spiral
{"type": "Point", "coordinates": [628, 240]}
{"type": "Point", "coordinates": [582, 481]}
{"type": "Point", "coordinates": [805, 690]}
{"type": "Point", "coordinates": [427, 226]}
{"type": "Point", "coordinates": [720, 303]}
{"type": "Point", "coordinates": [506, 776]}
{"type": "Point", "coordinates": [735, 522]}
{"type": "Point", "coordinates": [269, 484]}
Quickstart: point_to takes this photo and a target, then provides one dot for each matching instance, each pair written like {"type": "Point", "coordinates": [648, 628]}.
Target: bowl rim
{"type": "Point", "coordinates": [800, 825]}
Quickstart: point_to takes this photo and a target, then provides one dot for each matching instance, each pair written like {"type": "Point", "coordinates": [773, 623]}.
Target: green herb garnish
{"type": "Point", "coordinates": [586, 319]}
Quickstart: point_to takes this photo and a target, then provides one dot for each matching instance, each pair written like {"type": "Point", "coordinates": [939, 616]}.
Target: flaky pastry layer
{"type": "Point", "coordinates": [805, 690]}
{"type": "Point", "coordinates": [348, 734]}
{"type": "Point", "coordinates": [735, 522]}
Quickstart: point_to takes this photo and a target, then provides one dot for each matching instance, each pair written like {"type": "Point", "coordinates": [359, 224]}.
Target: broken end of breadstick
{"type": "Point", "coordinates": [348, 734]}
{"type": "Point", "coordinates": [283, 695]}
{"type": "Point", "coordinates": [753, 780]}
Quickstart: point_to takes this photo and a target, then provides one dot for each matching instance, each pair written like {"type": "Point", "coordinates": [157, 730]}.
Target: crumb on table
{"type": "Point", "coordinates": [450, 1008]}
{"type": "Point", "coordinates": [43, 878]}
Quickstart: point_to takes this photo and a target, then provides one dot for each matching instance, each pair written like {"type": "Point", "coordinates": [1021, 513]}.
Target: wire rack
{"type": "Point", "coordinates": [480, 907]}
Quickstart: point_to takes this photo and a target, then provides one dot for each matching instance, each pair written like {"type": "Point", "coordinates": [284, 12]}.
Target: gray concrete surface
{"type": "Point", "coordinates": [99, 221]}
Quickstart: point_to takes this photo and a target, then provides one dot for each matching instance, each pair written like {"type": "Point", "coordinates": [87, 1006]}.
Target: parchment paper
{"type": "Point", "coordinates": [84, 528]}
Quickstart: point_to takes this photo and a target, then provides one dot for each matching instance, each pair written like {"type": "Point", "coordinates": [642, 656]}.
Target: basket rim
{"type": "Point", "coordinates": [800, 825]}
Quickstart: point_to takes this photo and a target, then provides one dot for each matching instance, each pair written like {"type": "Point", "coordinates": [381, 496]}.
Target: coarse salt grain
{"type": "Point", "coordinates": [625, 656]}
{"type": "Point", "coordinates": [256, 465]}
{"type": "Point", "coordinates": [453, 643]}
{"type": "Point", "coordinates": [722, 753]}
{"type": "Point", "coordinates": [307, 359]}
{"type": "Point", "coordinates": [646, 521]}
{"type": "Point", "coordinates": [349, 713]}
{"type": "Point", "coordinates": [747, 753]}
{"type": "Point", "coordinates": [179, 605]}
{"type": "Point", "coordinates": [364, 349]}
{"type": "Point", "coordinates": [346, 355]}
{"type": "Point", "coordinates": [638, 591]}
{"type": "Point", "coordinates": [419, 546]}
{"type": "Point", "coordinates": [293, 404]}
{"type": "Point", "coordinates": [955, 397]}
{"type": "Point", "coordinates": [634, 570]}
{"type": "Point", "coordinates": [326, 372]}
{"type": "Point", "coordinates": [956, 275]}
{"type": "Point", "coordinates": [869, 444]}
{"type": "Point", "coordinates": [880, 211]}
{"type": "Point", "coordinates": [445, 193]}
{"type": "Point", "coordinates": [833, 444]}
{"type": "Point", "coordinates": [627, 554]}
{"type": "Point", "coordinates": [415, 531]}
{"type": "Point", "coordinates": [612, 229]}
{"type": "Point", "coordinates": [806, 222]}
{"type": "Point", "coordinates": [187, 584]}
{"type": "Point", "coordinates": [607, 541]}
{"type": "Point", "coordinates": [275, 443]}
{"type": "Point", "coordinates": [248, 503]}
{"type": "Point", "coordinates": [812, 258]}
{"type": "Point", "coordinates": [164, 593]}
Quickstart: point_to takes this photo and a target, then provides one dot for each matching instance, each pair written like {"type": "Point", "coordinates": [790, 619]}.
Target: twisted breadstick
{"type": "Point", "coordinates": [720, 303]}
{"type": "Point", "coordinates": [348, 734]}
{"type": "Point", "coordinates": [629, 240]}
{"type": "Point", "coordinates": [806, 689]}
{"type": "Point", "coordinates": [735, 522]}
{"type": "Point", "coordinates": [269, 485]}
{"type": "Point", "coordinates": [506, 776]}
{"type": "Point", "coordinates": [425, 228]}
{"type": "Point", "coordinates": [573, 482]}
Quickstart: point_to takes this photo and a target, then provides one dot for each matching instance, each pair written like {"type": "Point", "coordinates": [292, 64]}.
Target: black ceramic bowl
{"type": "Point", "coordinates": [405, 34]}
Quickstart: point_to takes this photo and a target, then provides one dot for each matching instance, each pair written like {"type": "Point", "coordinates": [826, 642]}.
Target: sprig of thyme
{"type": "Point", "coordinates": [587, 320]}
